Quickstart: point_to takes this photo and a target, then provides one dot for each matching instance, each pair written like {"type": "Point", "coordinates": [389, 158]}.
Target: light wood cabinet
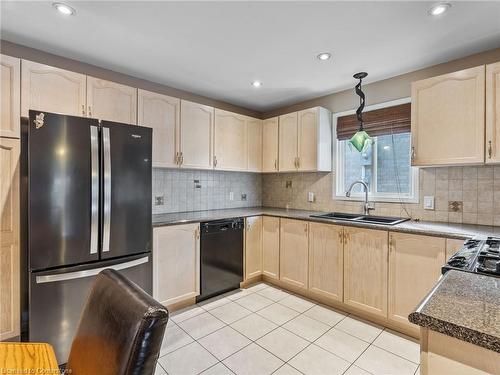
{"type": "Point", "coordinates": [305, 141]}
{"type": "Point", "coordinates": [197, 135]}
{"type": "Point", "coordinates": [493, 113]}
{"type": "Point", "coordinates": [162, 114]}
{"type": "Point", "coordinates": [452, 246]}
{"type": "Point", "coordinates": [365, 269]}
{"type": "Point", "coordinates": [230, 141]}
{"type": "Point", "coordinates": [326, 260]}
{"type": "Point", "coordinates": [176, 263]}
{"type": "Point", "coordinates": [271, 247]}
{"type": "Point", "coordinates": [10, 96]}
{"type": "Point", "coordinates": [447, 118]}
{"type": "Point", "coordinates": [46, 88]}
{"type": "Point", "coordinates": [294, 252]}
{"type": "Point", "coordinates": [288, 142]}
{"type": "Point", "coordinates": [9, 239]}
{"type": "Point", "coordinates": [254, 144]}
{"type": "Point", "coordinates": [253, 247]}
{"type": "Point", "coordinates": [415, 263]}
{"type": "Point", "coordinates": [111, 101]}
{"type": "Point", "coordinates": [270, 141]}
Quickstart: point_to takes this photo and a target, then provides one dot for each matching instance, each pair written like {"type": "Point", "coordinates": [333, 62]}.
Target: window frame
{"type": "Point", "coordinates": [339, 175]}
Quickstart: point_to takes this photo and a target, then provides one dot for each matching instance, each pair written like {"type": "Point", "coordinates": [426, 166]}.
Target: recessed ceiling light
{"type": "Point", "coordinates": [64, 9]}
{"type": "Point", "coordinates": [438, 9]}
{"type": "Point", "coordinates": [324, 56]}
{"type": "Point", "coordinates": [256, 83]}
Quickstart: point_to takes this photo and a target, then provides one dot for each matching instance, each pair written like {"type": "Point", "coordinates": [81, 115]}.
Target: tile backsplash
{"type": "Point", "coordinates": [194, 190]}
{"type": "Point", "coordinates": [476, 191]}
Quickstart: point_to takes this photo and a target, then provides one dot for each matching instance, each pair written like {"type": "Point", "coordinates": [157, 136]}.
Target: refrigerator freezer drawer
{"type": "Point", "coordinates": [57, 298]}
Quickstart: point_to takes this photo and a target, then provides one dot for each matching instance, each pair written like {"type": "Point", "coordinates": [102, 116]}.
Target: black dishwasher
{"type": "Point", "coordinates": [221, 257]}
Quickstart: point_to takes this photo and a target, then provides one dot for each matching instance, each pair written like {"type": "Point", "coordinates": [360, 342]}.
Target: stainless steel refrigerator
{"type": "Point", "coordinates": [87, 204]}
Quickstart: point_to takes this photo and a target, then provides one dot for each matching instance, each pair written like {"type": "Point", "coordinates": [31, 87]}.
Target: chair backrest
{"type": "Point", "coordinates": [120, 331]}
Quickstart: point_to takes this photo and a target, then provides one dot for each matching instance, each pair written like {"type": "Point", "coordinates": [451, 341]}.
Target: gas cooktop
{"type": "Point", "coordinates": [479, 256]}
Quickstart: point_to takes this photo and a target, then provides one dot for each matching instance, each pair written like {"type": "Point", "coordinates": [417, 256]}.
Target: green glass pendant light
{"type": "Point", "coordinates": [361, 139]}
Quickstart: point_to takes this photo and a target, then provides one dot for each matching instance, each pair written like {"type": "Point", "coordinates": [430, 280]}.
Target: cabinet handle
{"type": "Point", "coordinates": [215, 161]}
{"type": "Point", "coordinates": [490, 150]}
{"type": "Point", "coordinates": [305, 228]}
{"type": "Point", "coordinates": [341, 235]}
{"type": "Point", "coordinates": [275, 164]}
{"type": "Point", "coordinates": [177, 158]}
{"type": "Point", "coordinates": [412, 153]}
{"type": "Point", "coordinates": [83, 109]}
{"type": "Point", "coordinates": [346, 237]}
{"type": "Point", "coordinates": [90, 111]}
{"type": "Point", "coordinates": [298, 162]}
{"type": "Point", "coordinates": [182, 158]}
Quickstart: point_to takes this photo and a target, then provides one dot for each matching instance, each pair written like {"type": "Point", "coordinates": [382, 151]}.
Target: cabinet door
{"type": "Point", "coordinates": [230, 141]}
{"type": "Point", "coordinates": [253, 247]}
{"type": "Point", "coordinates": [162, 113]}
{"type": "Point", "coordinates": [10, 81]}
{"type": "Point", "coordinates": [196, 137]}
{"type": "Point", "coordinates": [452, 246]}
{"type": "Point", "coordinates": [50, 89]}
{"type": "Point", "coordinates": [9, 239]}
{"type": "Point", "coordinates": [307, 139]}
{"type": "Point", "coordinates": [288, 142]}
{"type": "Point", "coordinates": [270, 140]}
{"type": "Point", "coordinates": [365, 269]}
{"type": "Point", "coordinates": [414, 268]}
{"type": "Point", "coordinates": [254, 144]}
{"type": "Point", "coordinates": [294, 252]}
{"type": "Point", "coordinates": [493, 113]}
{"type": "Point", "coordinates": [111, 101]}
{"type": "Point", "coordinates": [447, 118]}
{"type": "Point", "coordinates": [326, 260]}
{"type": "Point", "coordinates": [176, 263]}
{"type": "Point", "coordinates": [271, 247]}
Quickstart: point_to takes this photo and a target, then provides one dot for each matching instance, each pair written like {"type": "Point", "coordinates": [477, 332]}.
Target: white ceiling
{"type": "Point", "coordinates": [217, 48]}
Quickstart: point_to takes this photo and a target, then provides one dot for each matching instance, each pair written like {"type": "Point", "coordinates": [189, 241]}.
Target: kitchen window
{"type": "Point", "coordinates": [385, 164]}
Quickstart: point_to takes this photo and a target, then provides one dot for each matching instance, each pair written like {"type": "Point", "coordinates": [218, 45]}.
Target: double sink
{"type": "Point", "coordinates": [382, 220]}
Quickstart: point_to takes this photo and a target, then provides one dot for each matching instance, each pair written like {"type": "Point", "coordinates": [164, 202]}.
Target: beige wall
{"type": "Point", "coordinates": [16, 50]}
{"type": "Point", "coordinates": [388, 89]}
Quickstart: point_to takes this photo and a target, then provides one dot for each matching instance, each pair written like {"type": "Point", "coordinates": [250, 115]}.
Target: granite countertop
{"type": "Point", "coordinates": [465, 306]}
{"type": "Point", "coordinates": [420, 227]}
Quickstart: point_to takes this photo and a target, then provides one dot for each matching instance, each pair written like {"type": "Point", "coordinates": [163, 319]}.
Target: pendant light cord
{"type": "Point", "coordinates": [359, 111]}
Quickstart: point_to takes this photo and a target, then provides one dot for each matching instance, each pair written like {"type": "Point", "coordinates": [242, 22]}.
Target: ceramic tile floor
{"type": "Point", "coordinates": [264, 330]}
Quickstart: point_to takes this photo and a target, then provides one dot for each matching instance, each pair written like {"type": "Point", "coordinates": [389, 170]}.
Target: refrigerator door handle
{"type": "Point", "coordinates": [94, 210]}
{"type": "Point", "coordinates": [107, 189]}
{"type": "Point", "coordinates": [87, 273]}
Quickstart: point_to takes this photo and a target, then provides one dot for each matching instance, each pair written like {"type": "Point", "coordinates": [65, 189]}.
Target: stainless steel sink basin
{"type": "Point", "coordinates": [383, 220]}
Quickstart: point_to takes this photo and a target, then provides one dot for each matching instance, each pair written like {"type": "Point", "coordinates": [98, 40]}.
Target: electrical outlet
{"type": "Point", "coordinates": [310, 196]}
{"type": "Point", "coordinates": [428, 202]}
{"type": "Point", "coordinates": [243, 197]}
{"type": "Point", "coordinates": [231, 196]}
{"type": "Point", "coordinates": [159, 200]}
{"type": "Point", "coordinates": [288, 184]}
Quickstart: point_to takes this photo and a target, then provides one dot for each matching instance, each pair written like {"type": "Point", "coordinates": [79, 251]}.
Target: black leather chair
{"type": "Point", "coordinates": [120, 331]}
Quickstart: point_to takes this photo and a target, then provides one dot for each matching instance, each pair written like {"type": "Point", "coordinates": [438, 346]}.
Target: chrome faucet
{"type": "Point", "coordinates": [366, 206]}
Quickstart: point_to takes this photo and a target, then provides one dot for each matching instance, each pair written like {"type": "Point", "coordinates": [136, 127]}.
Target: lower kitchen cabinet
{"type": "Point", "coordinates": [414, 267]}
{"type": "Point", "coordinates": [253, 247]}
{"type": "Point", "coordinates": [365, 269]}
{"type": "Point", "coordinates": [326, 260]}
{"type": "Point", "coordinates": [271, 247]}
{"type": "Point", "coordinates": [294, 252]}
{"type": "Point", "coordinates": [9, 239]}
{"type": "Point", "coordinates": [176, 263]}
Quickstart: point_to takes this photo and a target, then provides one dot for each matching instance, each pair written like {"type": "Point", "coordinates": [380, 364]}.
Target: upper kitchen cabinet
{"type": "Point", "coordinates": [196, 136]}
{"type": "Point", "coordinates": [305, 141]}
{"type": "Point", "coordinates": [111, 101]}
{"type": "Point", "coordinates": [50, 89]}
{"type": "Point", "coordinates": [270, 141]}
{"type": "Point", "coordinates": [414, 268]}
{"type": "Point", "coordinates": [230, 141]}
{"type": "Point", "coordinates": [447, 119]}
{"type": "Point", "coordinates": [162, 114]}
{"type": "Point", "coordinates": [254, 144]}
{"type": "Point", "coordinates": [493, 113]}
{"type": "Point", "coordinates": [10, 80]}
